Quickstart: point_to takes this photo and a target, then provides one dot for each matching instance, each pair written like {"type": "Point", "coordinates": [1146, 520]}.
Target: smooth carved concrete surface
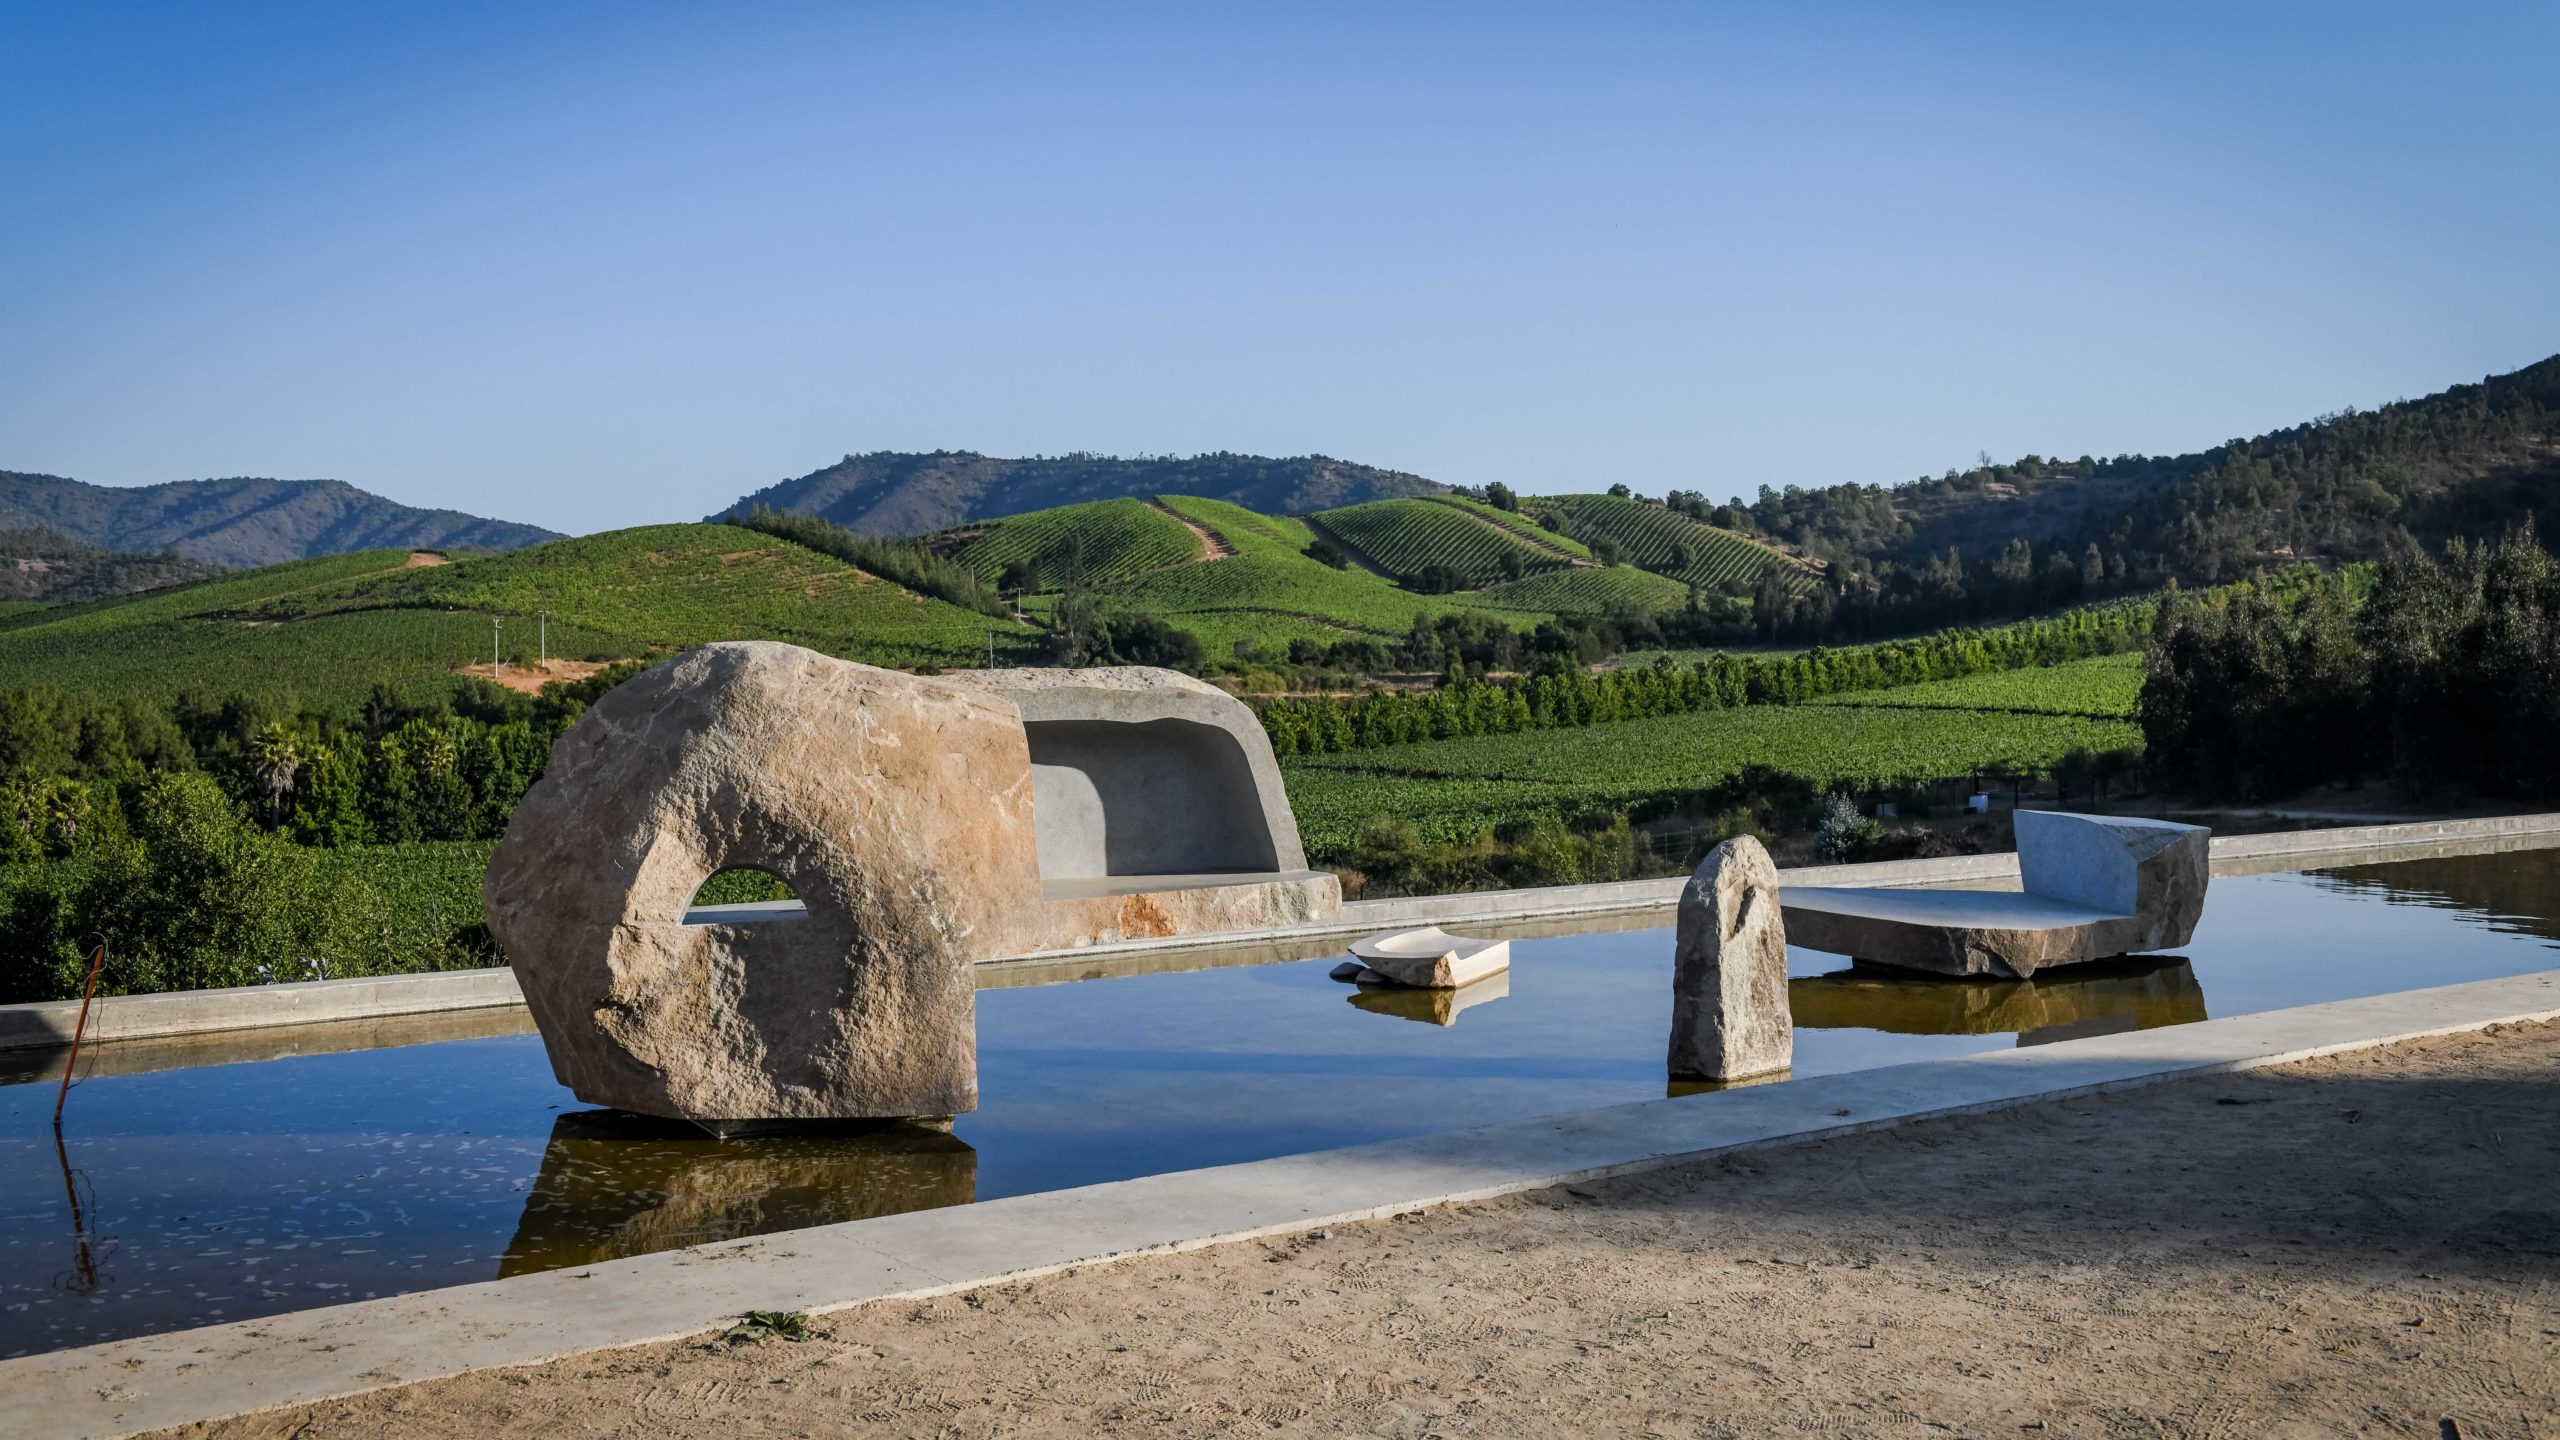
{"type": "Point", "coordinates": [2092, 887]}
{"type": "Point", "coordinates": [154, 1381]}
{"type": "Point", "coordinates": [1432, 958]}
{"type": "Point", "coordinates": [47, 1024]}
{"type": "Point", "coordinates": [1158, 808]}
{"type": "Point", "coordinates": [1142, 772]}
{"type": "Point", "coordinates": [1729, 1015]}
{"type": "Point", "coordinates": [917, 820]}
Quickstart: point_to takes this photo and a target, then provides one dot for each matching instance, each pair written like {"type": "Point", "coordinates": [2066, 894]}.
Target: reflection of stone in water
{"type": "Point", "coordinates": [2139, 994]}
{"type": "Point", "coordinates": [614, 1185]}
{"type": "Point", "coordinates": [1432, 1007]}
{"type": "Point", "coordinates": [1677, 1087]}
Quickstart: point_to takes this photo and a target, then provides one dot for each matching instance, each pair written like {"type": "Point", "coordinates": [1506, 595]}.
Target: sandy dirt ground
{"type": "Point", "coordinates": [529, 679]}
{"type": "Point", "coordinates": [2364, 1245]}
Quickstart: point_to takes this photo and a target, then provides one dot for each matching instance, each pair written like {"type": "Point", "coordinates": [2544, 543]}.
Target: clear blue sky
{"type": "Point", "coordinates": [591, 266]}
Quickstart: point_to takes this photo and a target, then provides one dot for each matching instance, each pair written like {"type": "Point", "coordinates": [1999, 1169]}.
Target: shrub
{"type": "Point", "coordinates": [1843, 833]}
{"type": "Point", "coordinates": [1135, 639]}
{"type": "Point", "coordinates": [190, 895]}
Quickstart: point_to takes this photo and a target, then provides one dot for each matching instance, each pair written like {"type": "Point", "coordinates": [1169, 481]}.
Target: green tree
{"type": "Point", "coordinates": [190, 895]}
{"type": "Point", "coordinates": [275, 759]}
{"type": "Point", "coordinates": [330, 809]}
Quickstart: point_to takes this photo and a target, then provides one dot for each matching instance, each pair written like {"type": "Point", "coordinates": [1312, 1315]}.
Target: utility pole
{"type": "Point", "coordinates": [497, 667]}
{"type": "Point", "coordinates": [542, 650]}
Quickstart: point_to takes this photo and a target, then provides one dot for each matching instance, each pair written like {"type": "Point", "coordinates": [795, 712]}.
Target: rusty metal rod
{"type": "Point", "coordinates": [97, 962]}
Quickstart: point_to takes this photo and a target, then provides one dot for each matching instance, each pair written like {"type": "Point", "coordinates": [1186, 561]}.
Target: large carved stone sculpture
{"type": "Point", "coordinates": [2092, 887]}
{"type": "Point", "coordinates": [1729, 1015]}
{"type": "Point", "coordinates": [922, 829]}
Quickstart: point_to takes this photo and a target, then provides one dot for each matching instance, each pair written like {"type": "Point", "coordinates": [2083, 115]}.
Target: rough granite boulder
{"type": "Point", "coordinates": [923, 824]}
{"type": "Point", "coordinates": [897, 809]}
{"type": "Point", "coordinates": [1729, 1015]}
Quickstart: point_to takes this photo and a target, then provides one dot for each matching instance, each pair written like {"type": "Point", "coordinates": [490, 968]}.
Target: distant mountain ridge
{"type": "Point", "coordinates": [902, 493]}
{"type": "Point", "coordinates": [244, 522]}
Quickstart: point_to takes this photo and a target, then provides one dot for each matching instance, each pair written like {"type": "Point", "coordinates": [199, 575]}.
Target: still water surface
{"type": "Point", "coordinates": [224, 1191]}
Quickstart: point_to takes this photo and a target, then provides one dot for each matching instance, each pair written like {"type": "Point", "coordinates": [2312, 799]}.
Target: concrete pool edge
{"type": "Point", "coordinates": [315, 1355]}
{"type": "Point", "coordinates": [47, 1025]}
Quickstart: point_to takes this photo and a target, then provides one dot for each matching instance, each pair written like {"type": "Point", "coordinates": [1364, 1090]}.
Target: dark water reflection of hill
{"type": "Point", "coordinates": [2517, 892]}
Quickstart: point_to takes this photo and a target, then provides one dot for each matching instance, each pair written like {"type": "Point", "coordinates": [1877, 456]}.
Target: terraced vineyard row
{"type": "Point", "coordinates": [324, 631]}
{"type": "Point", "coordinates": [1100, 543]}
{"type": "Point", "coordinates": [1406, 537]}
{"type": "Point", "coordinates": [1273, 596]}
{"type": "Point", "coordinates": [1251, 532]}
{"type": "Point", "coordinates": [1582, 591]}
{"type": "Point", "coordinates": [1451, 788]}
{"type": "Point", "coordinates": [1516, 523]}
{"type": "Point", "coordinates": [2106, 687]}
{"type": "Point", "coordinates": [1654, 537]}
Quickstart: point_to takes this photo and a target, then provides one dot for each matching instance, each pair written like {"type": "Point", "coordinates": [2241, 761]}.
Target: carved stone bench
{"type": "Point", "coordinates": [2092, 887]}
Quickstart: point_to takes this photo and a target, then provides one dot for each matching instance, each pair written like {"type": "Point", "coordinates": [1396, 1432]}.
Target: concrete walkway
{"type": "Point", "coordinates": [2359, 1244]}
{"type": "Point", "coordinates": [314, 1355]}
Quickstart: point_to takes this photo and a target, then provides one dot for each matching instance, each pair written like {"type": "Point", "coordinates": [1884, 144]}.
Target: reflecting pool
{"type": "Point", "coordinates": [219, 1191]}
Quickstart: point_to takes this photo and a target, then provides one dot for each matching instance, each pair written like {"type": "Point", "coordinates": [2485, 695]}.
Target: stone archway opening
{"type": "Point", "coordinates": [737, 893]}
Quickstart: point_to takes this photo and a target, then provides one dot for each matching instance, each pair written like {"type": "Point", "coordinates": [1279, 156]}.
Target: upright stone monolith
{"type": "Point", "coordinates": [1729, 1017]}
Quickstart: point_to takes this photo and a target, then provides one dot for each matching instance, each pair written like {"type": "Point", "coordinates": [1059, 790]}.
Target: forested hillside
{"type": "Point", "coordinates": [895, 493]}
{"type": "Point", "coordinates": [243, 522]}
{"type": "Point", "coordinates": [2009, 538]}
{"type": "Point", "coordinates": [43, 566]}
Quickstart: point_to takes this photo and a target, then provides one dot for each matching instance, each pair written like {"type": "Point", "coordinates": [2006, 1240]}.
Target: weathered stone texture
{"type": "Point", "coordinates": [2155, 871]}
{"type": "Point", "coordinates": [899, 810]}
{"type": "Point", "coordinates": [908, 816]}
{"type": "Point", "coordinates": [1729, 1016]}
{"type": "Point", "coordinates": [2094, 887]}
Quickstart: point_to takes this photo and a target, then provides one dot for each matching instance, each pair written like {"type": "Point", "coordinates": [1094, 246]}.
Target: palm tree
{"type": "Point", "coordinates": [275, 758]}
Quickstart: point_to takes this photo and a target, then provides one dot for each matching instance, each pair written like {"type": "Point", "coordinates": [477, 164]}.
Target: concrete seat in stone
{"type": "Point", "coordinates": [924, 824]}
{"type": "Point", "coordinates": [2092, 887]}
{"type": "Point", "coordinates": [1158, 795]}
